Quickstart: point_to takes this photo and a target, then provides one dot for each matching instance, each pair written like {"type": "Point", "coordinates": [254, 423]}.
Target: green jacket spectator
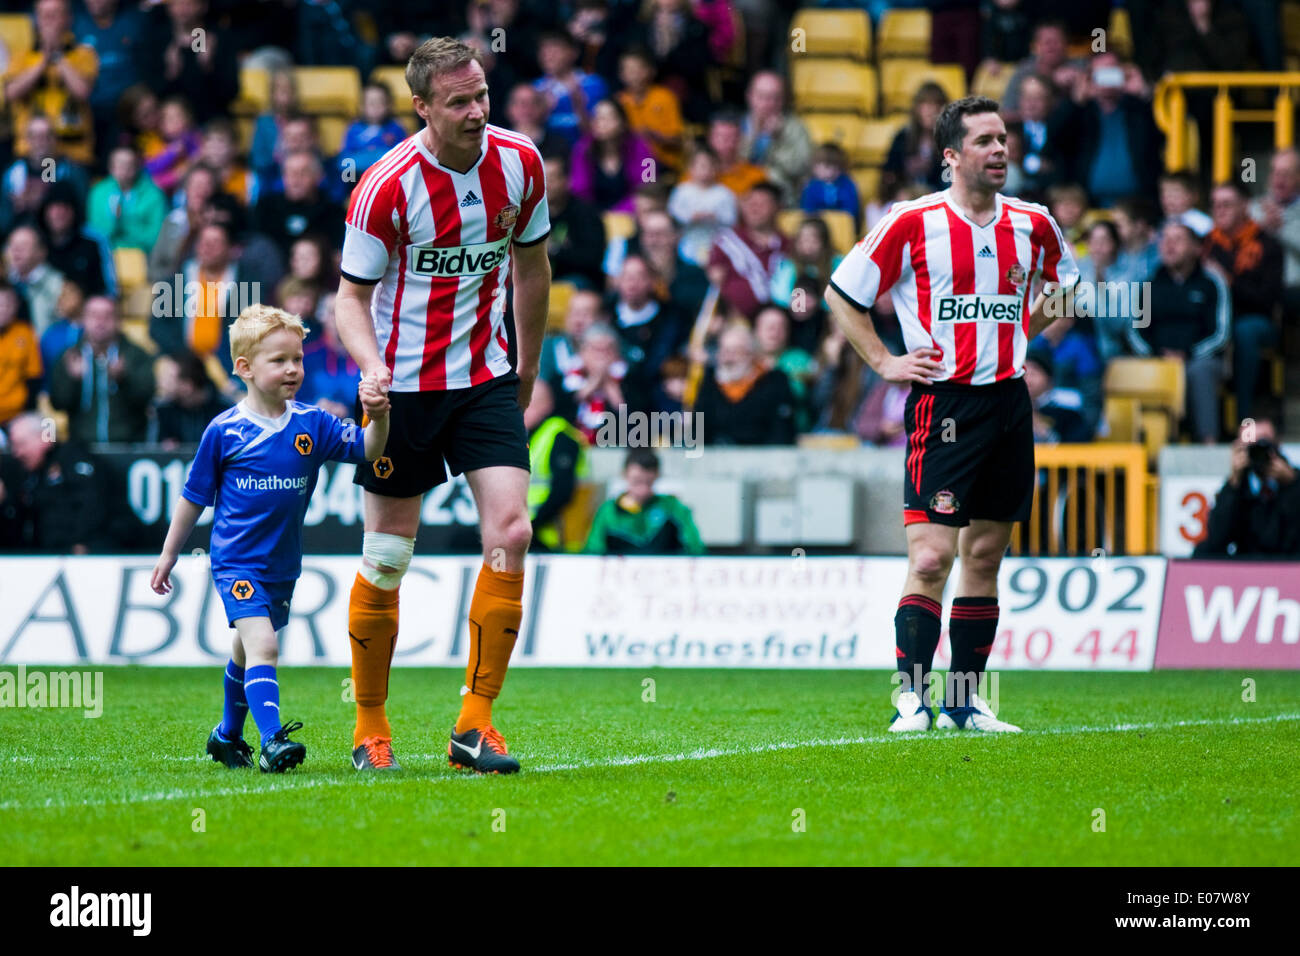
{"type": "Point", "coordinates": [662, 526]}
{"type": "Point", "coordinates": [126, 207]}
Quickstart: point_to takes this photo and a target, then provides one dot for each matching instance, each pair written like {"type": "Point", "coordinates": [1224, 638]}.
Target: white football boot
{"type": "Point", "coordinates": [911, 715]}
{"type": "Point", "coordinates": [979, 716]}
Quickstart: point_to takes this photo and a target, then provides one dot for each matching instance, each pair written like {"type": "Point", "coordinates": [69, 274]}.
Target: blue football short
{"type": "Point", "coordinates": [246, 596]}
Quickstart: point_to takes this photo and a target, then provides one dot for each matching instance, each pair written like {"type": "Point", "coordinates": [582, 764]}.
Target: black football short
{"type": "Point", "coordinates": [970, 453]}
{"type": "Point", "coordinates": [433, 433]}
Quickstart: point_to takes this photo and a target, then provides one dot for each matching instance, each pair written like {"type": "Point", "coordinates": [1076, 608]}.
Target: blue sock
{"type": "Point", "coordinates": [263, 693]}
{"type": "Point", "coordinates": [236, 706]}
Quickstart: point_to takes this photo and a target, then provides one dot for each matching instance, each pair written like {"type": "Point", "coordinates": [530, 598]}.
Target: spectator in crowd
{"type": "Point", "coordinates": [734, 171]}
{"type": "Point", "coordinates": [301, 209]}
{"type": "Point", "coordinates": [702, 205]}
{"type": "Point", "coordinates": [913, 157]}
{"type": "Point", "coordinates": [652, 110]}
{"type": "Point", "coordinates": [175, 242]}
{"type": "Point", "coordinates": [1068, 349]}
{"type": "Point", "coordinates": [1279, 213]}
{"type": "Point", "coordinates": [679, 43]}
{"type": "Point", "coordinates": [808, 315]}
{"type": "Point", "coordinates": [139, 122]}
{"type": "Point", "coordinates": [179, 145]}
{"type": "Point", "coordinates": [202, 325]}
{"type": "Point", "coordinates": [609, 161]}
{"type": "Point", "coordinates": [831, 186]}
{"type": "Point", "coordinates": [1117, 146]}
{"type": "Point", "coordinates": [594, 385]}
{"type": "Point", "coordinates": [772, 336]}
{"type": "Point", "coordinates": [1252, 260]}
{"type": "Point", "coordinates": [498, 69]}
{"type": "Point", "coordinates": [557, 456]}
{"type": "Point", "coordinates": [38, 167]}
{"type": "Point", "coordinates": [326, 35]}
{"type": "Point", "coordinates": [373, 134]}
{"type": "Point", "coordinates": [523, 23]}
{"type": "Point", "coordinates": [54, 79]}
{"type": "Point", "coordinates": [1136, 219]}
{"type": "Point", "coordinates": [880, 418]}
{"type": "Point", "coordinates": [640, 521]}
{"type": "Point", "coordinates": [205, 74]}
{"type": "Point", "coordinates": [681, 283]}
{"type": "Point", "coordinates": [118, 35]}
{"type": "Point", "coordinates": [105, 383]}
{"type": "Point", "coordinates": [268, 152]}
{"type": "Point", "coordinates": [670, 392]}
{"type": "Point", "coordinates": [298, 298]}
{"type": "Point", "coordinates": [774, 138]}
{"type": "Point", "coordinates": [81, 254]}
{"type": "Point", "coordinates": [526, 115]}
{"type": "Point", "coordinates": [811, 257]}
{"type": "Point", "coordinates": [1048, 57]}
{"type": "Point", "coordinates": [1180, 199]}
{"type": "Point", "coordinates": [570, 92]}
{"type": "Point", "coordinates": [310, 262]}
{"type": "Point", "coordinates": [1068, 204]}
{"type": "Point", "coordinates": [649, 197]}
{"type": "Point", "coordinates": [577, 242]}
{"type": "Point", "coordinates": [560, 349]}
{"type": "Point", "coordinates": [57, 492]}
{"type": "Point", "coordinates": [329, 375]}
{"type": "Point", "coordinates": [20, 356]}
{"type": "Point", "coordinates": [1189, 318]}
{"type": "Point", "coordinates": [1257, 511]}
{"type": "Point", "coordinates": [742, 401]}
{"type": "Point", "coordinates": [1058, 412]}
{"type": "Point", "coordinates": [649, 329]}
{"type": "Point", "coordinates": [842, 384]}
{"type": "Point", "coordinates": [65, 331]}
{"type": "Point", "coordinates": [219, 151]}
{"type": "Point", "coordinates": [744, 259]}
{"type": "Point", "coordinates": [31, 274]}
{"type": "Point", "coordinates": [1042, 122]}
{"type": "Point", "coordinates": [299, 135]}
{"type": "Point", "coordinates": [185, 403]}
{"type": "Point", "coordinates": [1004, 33]}
{"type": "Point", "coordinates": [125, 207]}
{"type": "Point", "coordinates": [1111, 315]}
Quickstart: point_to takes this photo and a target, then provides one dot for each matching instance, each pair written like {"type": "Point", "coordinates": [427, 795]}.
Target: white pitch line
{"type": "Point", "coordinates": [630, 760]}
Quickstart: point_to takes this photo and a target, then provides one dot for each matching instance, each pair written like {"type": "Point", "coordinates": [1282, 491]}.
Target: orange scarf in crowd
{"type": "Point", "coordinates": [737, 390]}
{"type": "Point", "coordinates": [1246, 249]}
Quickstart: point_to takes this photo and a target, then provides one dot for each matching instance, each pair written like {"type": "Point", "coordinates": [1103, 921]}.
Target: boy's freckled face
{"type": "Point", "coordinates": [275, 368]}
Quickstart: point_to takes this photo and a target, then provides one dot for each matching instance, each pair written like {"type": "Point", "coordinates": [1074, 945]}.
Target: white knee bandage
{"type": "Point", "coordinates": [391, 552]}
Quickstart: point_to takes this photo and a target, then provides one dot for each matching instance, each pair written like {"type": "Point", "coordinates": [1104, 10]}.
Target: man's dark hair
{"type": "Point", "coordinates": [1140, 209]}
{"type": "Point", "coordinates": [642, 458]}
{"type": "Point", "coordinates": [950, 128]}
{"type": "Point", "coordinates": [1237, 186]}
{"type": "Point", "coordinates": [1183, 177]}
{"type": "Point", "coordinates": [769, 187]}
{"type": "Point", "coordinates": [556, 156]}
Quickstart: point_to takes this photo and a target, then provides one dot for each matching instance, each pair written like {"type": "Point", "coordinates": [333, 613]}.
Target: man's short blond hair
{"type": "Point", "coordinates": [257, 322]}
{"type": "Point", "coordinates": [435, 57]}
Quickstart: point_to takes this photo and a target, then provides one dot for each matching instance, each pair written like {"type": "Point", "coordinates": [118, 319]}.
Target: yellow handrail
{"type": "Point", "coordinates": [1068, 518]}
{"type": "Point", "coordinates": [1169, 106]}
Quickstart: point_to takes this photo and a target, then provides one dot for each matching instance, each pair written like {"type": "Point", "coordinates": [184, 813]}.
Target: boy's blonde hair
{"type": "Point", "coordinates": [257, 322]}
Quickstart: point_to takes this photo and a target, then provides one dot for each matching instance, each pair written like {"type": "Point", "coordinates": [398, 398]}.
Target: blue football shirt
{"type": "Point", "coordinates": [259, 474]}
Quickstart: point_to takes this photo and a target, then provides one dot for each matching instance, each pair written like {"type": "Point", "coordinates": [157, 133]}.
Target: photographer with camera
{"type": "Point", "coordinates": [1257, 512]}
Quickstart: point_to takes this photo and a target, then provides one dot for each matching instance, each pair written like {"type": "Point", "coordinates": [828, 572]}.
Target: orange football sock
{"type": "Point", "coordinates": [494, 615]}
{"type": "Point", "coordinates": [372, 627]}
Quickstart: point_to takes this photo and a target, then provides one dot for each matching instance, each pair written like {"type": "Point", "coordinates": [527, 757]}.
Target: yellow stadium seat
{"type": "Point", "coordinates": [992, 85]}
{"type": "Point", "coordinates": [394, 77]}
{"type": "Point", "coordinates": [330, 131]}
{"type": "Point", "coordinates": [905, 33]}
{"type": "Point", "coordinates": [867, 179]}
{"type": "Point", "coordinates": [132, 268]}
{"type": "Point", "coordinates": [17, 33]}
{"type": "Point", "coordinates": [254, 93]}
{"type": "Point", "coordinates": [1119, 38]}
{"type": "Point", "coordinates": [831, 86]}
{"type": "Point", "coordinates": [875, 139]}
{"type": "Point", "coordinates": [900, 79]}
{"type": "Point", "coordinates": [618, 225]}
{"type": "Point", "coordinates": [832, 33]}
{"type": "Point", "coordinates": [842, 128]}
{"type": "Point", "coordinates": [329, 90]}
{"type": "Point", "coordinates": [829, 442]}
{"type": "Point", "coordinates": [558, 305]}
{"type": "Point", "coordinates": [1155, 382]}
{"type": "Point", "coordinates": [1123, 419]}
{"type": "Point", "coordinates": [840, 225]}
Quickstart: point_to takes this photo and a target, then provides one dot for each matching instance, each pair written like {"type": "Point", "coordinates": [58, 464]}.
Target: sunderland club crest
{"type": "Point", "coordinates": [944, 503]}
{"type": "Point", "coordinates": [505, 219]}
{"type": "Point", "coordinates": [1016, 275]}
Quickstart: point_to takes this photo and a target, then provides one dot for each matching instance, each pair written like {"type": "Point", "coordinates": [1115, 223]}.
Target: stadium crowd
{"type": "Point", "coordinates": [671, 119]}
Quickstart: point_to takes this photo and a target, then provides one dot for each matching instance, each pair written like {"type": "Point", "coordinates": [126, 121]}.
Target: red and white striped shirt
{"type": "Point", "coordinates": [959, 287]}
{"type": "Point", "coordinates": [437, 242]}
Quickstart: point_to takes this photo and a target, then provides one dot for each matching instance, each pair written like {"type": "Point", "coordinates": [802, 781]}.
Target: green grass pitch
{"type": "Point", "coordinates": [720, 768]}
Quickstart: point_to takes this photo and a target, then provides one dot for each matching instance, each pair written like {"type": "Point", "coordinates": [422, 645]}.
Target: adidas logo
{"type": "Point", "coordinates": [470, 200]}
{"type": "Point", "coordinates": [985, 253]}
